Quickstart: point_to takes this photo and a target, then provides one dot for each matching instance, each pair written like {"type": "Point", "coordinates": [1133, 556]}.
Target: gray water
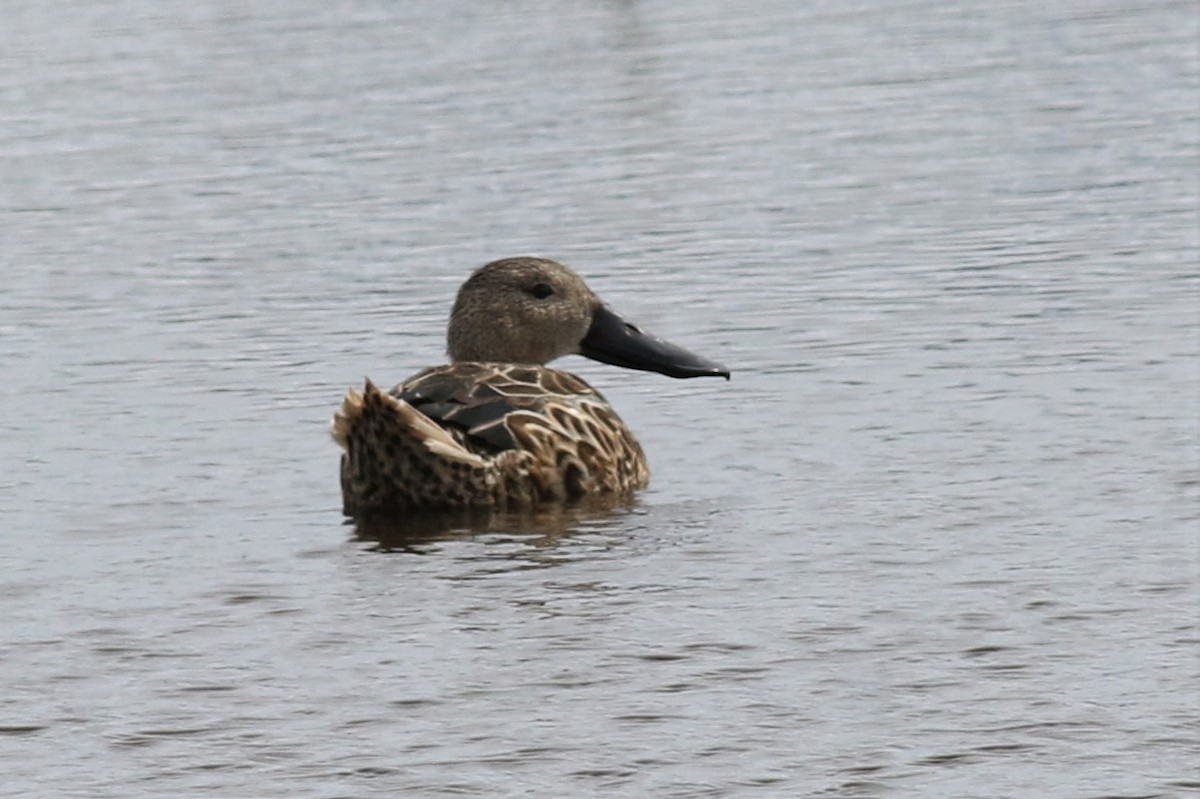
{"type": "Point", "coordinates": [938, 537]}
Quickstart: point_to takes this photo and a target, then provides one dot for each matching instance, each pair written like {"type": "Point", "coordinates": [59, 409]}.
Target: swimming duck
{"type": "Point", "coordinates": [496, 427]}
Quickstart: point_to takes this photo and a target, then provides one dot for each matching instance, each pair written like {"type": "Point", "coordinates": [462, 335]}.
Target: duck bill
{"type": "Point", "coordinates": [613, 340]}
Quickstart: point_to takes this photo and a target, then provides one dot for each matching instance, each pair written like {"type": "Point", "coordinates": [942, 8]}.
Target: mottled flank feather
{"type": "Point", "coordinates": [482, 434]}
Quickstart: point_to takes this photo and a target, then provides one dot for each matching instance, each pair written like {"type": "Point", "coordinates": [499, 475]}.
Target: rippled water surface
{"type": "Point", "coordinates": [937, 537]}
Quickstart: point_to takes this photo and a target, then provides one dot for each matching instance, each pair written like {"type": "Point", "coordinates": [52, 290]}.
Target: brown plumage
{"type": "Point", "coordinates": [497, 428]}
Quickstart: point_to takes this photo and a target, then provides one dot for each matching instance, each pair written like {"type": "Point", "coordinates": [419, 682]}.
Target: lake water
{"type": "Point", "coordinates": [938, 537]}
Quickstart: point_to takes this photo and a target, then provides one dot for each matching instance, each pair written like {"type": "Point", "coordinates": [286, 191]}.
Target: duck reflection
{"type": "Point", "coordinates": [543, 525]}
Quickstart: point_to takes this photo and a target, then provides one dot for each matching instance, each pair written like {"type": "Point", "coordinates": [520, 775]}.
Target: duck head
{"type": "Point", "coordinates": [532, 310]}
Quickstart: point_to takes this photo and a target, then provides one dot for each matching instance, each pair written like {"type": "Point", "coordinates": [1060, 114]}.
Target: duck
{"type": "Point", "coordinates": [498, 428]}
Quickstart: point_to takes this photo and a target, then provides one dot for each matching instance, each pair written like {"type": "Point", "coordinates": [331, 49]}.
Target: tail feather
{"type": "Point", "coordinates": [396, 455]}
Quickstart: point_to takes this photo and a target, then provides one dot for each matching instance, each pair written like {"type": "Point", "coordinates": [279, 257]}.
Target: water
{"type": "Point", "coordinates": [938, 537]}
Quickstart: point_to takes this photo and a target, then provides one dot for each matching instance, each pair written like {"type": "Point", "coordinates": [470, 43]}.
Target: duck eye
{"type": "Point", "coordinates": [541, 290]}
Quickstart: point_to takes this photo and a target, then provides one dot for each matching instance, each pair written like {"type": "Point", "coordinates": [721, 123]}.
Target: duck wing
{"type": "Point", "coordinates": [482, 402]}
